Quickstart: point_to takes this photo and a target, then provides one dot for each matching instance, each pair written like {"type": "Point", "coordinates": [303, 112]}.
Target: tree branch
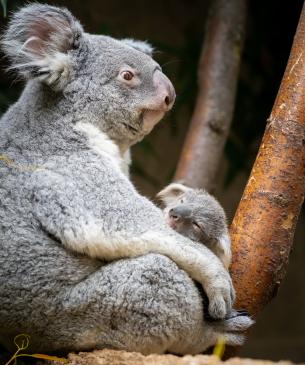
{"type": "Point", "coordinates": [217, 79]}
{"type": "Point", "coordinates": [263, 228]}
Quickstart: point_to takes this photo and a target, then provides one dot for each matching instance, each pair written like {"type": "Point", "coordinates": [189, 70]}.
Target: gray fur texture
{"type": "Point", "coordinates": [197, 215]}
{"type": "Point", "coordinates": [85, 260]}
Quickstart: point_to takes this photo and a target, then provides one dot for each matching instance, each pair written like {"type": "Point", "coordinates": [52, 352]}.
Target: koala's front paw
{"type": "Point", "coordinates": [221, 299]}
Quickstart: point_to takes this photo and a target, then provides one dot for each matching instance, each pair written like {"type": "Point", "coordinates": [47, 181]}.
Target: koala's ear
{"type": "Point", "coordinates": [171, 192]}
{"type": "Point", "coordinates": [37, 42]}
{"type": "Point", "coordinates": [141, 46]}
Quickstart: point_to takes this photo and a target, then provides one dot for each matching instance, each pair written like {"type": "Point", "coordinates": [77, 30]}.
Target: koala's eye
{"type": "Point", "coordinates": [127, 75]}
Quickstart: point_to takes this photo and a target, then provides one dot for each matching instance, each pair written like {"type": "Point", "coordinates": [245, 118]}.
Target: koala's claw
{"type": "Point", "coordinates": [242, 312]}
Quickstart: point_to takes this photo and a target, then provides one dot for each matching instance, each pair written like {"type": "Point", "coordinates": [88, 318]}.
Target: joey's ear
{"type": "Point", "coordinates": [37, 42]}
{"type": "Point", "coordinates": [141, 46]}
{"type": "Point", "coordinates": [171, 192]}
{"type": "Point", "coordinates": [224, 243]}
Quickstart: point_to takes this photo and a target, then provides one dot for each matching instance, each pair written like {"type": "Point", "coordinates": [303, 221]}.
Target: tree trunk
{"type": "Point", "coordinates": [263, 228]}
{"type": "Point", "coordinates": [217, 79]}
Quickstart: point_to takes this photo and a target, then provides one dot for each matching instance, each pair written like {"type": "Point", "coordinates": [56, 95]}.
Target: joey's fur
{"type": "Point", "coordinates": [197, 215]}
{"type": "Point", "coordinates": [85, 260]}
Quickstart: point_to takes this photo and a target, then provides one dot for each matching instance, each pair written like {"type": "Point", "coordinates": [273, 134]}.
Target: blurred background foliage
{"type": "Point", "coordinates": [176, 29]}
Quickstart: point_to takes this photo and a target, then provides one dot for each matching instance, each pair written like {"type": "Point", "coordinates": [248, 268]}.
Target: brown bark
{"type": "Point", "coordinates": [217, 79]}
{"type": "Point", "coordinates": [263, 228]}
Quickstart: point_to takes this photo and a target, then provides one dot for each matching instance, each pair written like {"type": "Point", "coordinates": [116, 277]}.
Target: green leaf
{"type": "Point", "coordinates": [4, 3]}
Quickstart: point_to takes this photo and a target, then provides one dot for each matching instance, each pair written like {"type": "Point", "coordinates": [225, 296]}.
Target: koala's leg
{"type": "Point", "coordinates": [230, 330]}
{"type": "Point", "coordinates": [145, 304]}
{"type": "Point", "coordinates": [237, 323]}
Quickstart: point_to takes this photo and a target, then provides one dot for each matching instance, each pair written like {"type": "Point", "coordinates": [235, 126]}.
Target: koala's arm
{"type": "Point", "coordinates": [62, 212]}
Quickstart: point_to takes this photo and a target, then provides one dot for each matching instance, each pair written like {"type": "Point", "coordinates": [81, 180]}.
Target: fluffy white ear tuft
{"type": "Point", "coordinates": [37, 42]}
{"type": "Point", "coordinates": [171, 192]}
{"type": "Point", "coordinates": [141, 46]}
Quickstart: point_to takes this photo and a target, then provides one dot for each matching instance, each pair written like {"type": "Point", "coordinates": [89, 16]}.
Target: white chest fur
{"type": "Point", "coordinates": [102, 144]}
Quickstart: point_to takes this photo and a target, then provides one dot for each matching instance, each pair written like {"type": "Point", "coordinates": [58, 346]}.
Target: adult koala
{"type": "Point", "coordinates": [66, 203]}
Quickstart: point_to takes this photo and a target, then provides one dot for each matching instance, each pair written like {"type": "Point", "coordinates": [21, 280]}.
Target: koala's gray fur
{"type": "Point", "coordinates": [197, 215]}
{"type": "Point", "coordinates": [67, 206]}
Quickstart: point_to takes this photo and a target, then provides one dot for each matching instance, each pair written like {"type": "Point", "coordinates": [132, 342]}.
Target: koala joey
{"type": "Point", "coordinates": [85, 260]}
{"type": "Point", "coordinates": [197, 215]}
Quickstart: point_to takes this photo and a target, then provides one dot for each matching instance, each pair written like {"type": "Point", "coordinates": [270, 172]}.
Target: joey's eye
{"type": "Point", "coordinates": [196, 225]}
{"type": "Point", "coordinates": [127, 75]}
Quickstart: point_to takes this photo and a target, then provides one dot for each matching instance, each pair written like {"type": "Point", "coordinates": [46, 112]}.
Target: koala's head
{"type": "Point", "coordinates": [193, 213]}
{"type": "Point", "coordinates": [115, 84]}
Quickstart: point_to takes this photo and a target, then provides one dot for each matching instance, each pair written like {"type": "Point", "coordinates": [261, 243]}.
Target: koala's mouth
{"type": "Point", "coordinates": [147, 120]}
{"type": "Point", "coordinates": [131, 128]}
{"type": "Point", "coordinates": [150, 118]}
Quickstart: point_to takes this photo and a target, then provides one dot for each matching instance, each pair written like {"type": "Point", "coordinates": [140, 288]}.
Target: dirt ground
{"type": "Point", "coordinates": [111, 357]}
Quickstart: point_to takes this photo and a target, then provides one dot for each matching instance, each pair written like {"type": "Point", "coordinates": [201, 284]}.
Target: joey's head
{"type": "Point", "coordinates": [193, 213]}
{"type": "Point", "coordinates": [113, 84]}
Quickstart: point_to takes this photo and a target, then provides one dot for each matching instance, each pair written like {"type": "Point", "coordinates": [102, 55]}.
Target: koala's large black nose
{"type": "Point", "coordinates": [179, 213]}
{"type": "Point", "coordinates": [170, 97]}
{"type": "Point", "coordinates": [164, 90]}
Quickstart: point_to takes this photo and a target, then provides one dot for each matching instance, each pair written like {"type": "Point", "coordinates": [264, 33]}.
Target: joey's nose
{"type": "Point", "coordinates": [164, 90]}
{"type": "Point", "coordinates": [179, 213]}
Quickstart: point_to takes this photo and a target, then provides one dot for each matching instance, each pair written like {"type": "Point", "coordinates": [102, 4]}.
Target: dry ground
{"type": "Point", "coordinates": [111, 357]}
